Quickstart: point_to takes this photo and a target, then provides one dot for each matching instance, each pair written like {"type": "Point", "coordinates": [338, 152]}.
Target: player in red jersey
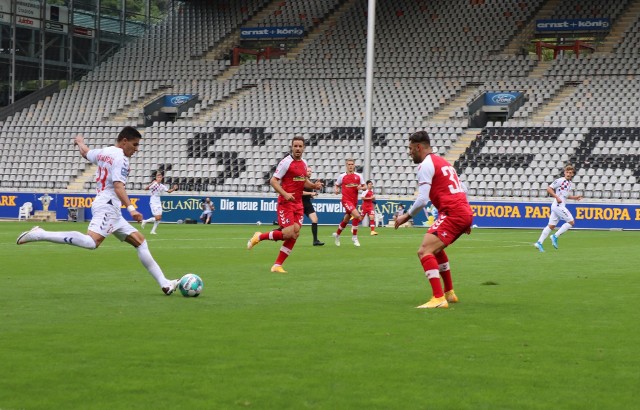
{"type": "Point", "coordinates": [438, 182]}
{"type": "Point", "coordinates": [350, 183]}
{"type": "Point", "coordinates": [289, 181]}
{"type": "Point", "coordinates": [368, 207]}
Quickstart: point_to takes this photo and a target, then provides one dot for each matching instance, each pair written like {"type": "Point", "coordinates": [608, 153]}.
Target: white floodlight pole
{"type": "Point", "coordinates": [371, 34]}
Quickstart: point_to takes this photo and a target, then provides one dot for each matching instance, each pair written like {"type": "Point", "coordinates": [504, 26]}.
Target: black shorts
{"type": "Point", "coordinates": [308, 207]}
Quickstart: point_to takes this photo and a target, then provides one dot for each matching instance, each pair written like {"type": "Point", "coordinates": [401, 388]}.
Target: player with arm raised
{"type": "Point", "coordinates": [350, 183]}
{"type": "Point", "coordinates": [157, 188]}
{"type": "Point", "coordinates": [559, 190]}
{"type": "Point", "coordinates": [107, 219]}
{"type": "Point", "coordinates": [438, 182]}
{"type": "Point", "coordinates": [289, 181]}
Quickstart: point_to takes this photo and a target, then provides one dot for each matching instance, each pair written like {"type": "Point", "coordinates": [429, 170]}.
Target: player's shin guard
{"type": "Point", "coordinates": [431, 271]}
{"type": "Point", "coordinates": [445, 270]}
{"type": "Point", "coordinates": [151, 265]}
{"type": "Point", "coordinates": [285, 250]}
{"type": "Point", "coordinates": [70, 238]}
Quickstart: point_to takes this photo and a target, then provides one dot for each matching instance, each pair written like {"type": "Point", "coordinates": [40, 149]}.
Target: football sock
{"type": "Point", "coordinates": [155, 225]}
{"type": "Point", "coordinates": [564, 228]}
{"type": "Point", "coordinates": [275, 235]}
{"type": "Point", "coordinates": [285, 250]}
{"type": "Point", "coordinates": [314, 231]}
{"type": "Point", "coordinates": [150, 219]}
{"type": "Point", "coordinates": [545, 232]}
{"type": "Point", "coordinates": [70, 238]}
{"type": "Point", "coordinates": [445, 271]}
{"type": "Point", "coordinates": [341, 227]}
{"type": "Point", "coordinates": [151, 265]}
{"type": "Point", "coordinates": [430, 266]}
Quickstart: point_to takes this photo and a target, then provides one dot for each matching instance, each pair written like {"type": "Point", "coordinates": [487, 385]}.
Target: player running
{"type": "Point", "coordinates": [559, 190]}
{"type": "Point", "coordinates": [289, 181]}
{"type": "Point", "coordinates": [350, 183]}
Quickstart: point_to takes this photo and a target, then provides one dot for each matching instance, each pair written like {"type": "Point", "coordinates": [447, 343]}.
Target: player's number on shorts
{"type": "Point", "coordinates": [450, 172]}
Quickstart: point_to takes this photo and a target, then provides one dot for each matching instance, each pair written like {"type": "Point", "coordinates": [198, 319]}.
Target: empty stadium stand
{"type": "Point", "coordinates": [427, 54]}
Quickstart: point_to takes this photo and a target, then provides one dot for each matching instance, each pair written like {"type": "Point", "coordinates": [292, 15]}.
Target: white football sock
{"type": "Point", "coordinates": [150, 219]}
{"type": "Point", "coordinates": [155, 225]}
{"type": "Point", "coordinates": [545, 232]}
{"type": "Point", "coordinates": [564, 228]}
{"type": "Point", "coordinates": [152, 266]}
{"type": "Point", "coordinates": [70, 238]}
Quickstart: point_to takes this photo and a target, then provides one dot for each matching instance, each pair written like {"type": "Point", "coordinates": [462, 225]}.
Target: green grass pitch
{"type": "Point", "coordinates": [91, 329]}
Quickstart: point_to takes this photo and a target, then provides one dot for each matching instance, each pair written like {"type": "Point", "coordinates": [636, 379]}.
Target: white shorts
{"type": "Point", "coordinates": [559, 213]}
{"type": "Point", "coordinates": [107, 220]}
{"type": "Point", "coordinates": [156, 209]}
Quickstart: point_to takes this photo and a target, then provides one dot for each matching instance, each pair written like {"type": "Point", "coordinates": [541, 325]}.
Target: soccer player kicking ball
{"type": "Point", "coordinates": [111, 177]}
{"type": "Point", "coordinates": [438, 182]}
{"type": "Point", "coordinates": [289, 181]}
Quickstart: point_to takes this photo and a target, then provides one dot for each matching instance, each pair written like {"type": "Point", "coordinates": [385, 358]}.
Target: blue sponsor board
{"type": "Point", "coordinates": [504, 98]}
{"type": "Point", "coordinates": [261, 33]}
{"type": "Point", "coordinates": [557, 25]}
{"type": "Point", "coordinates": [176, 100]}
{"type": "Point", "coordinates": [250, 210]}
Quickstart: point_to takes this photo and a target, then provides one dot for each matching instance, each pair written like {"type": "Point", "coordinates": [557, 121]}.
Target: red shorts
{"type": "Point", "coordinates": [290, 213]}
{"type": "Point", "coordinates": [368, 211]}
{"type": "Point", "coordinates": [448, 228]}
{"type": "Point", "coordinates": [349, 207]}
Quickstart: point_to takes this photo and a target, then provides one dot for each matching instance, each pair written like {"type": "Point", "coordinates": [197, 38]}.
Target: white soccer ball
{"type": "Point", "coordinates": [258, 223]}
{"type": "Point", "coordinates": [191, 285]}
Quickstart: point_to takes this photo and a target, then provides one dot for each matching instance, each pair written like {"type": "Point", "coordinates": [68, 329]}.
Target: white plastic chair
{"type": "Point", "coordinates": [25, 211]}
{"type": "Point", "coordinates": [379, 219]}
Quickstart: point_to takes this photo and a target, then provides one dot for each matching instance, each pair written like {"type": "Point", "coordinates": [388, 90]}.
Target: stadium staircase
{"type": "Point", "coordinates": [319, 30]}
{"type": "Point", "coordinates": [526, 34]}
{"type": "Point", "coordinates": [461, 144]}
{"type": "Point", "coordinates": [620, 26]}
{"type": "Point", "coordinates": [447, 110]}
{"type": "Point", "coordinates": [553, 104]}
{"type": "Point", "coordinates": [233, 39]}
{"type": "Point", "coordinates": [136, 110]}
{"type": "Point", "coordinates": [540, 69]}
{"type": "Point", "coordinates": [87, 176]}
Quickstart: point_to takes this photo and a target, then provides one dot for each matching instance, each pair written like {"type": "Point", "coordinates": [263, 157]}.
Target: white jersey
{"type": "Point", "coordinates": [113, 166]}
{"type": "Point", "coordinates": [562, 187]}
{"type": "Point", "coordinates": [156, 190]}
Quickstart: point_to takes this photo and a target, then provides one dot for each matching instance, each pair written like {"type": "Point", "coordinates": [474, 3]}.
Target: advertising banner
{"type": "Point", "coordinates": [263, 33]}
{"type": "Point", "coordinates": [502, 98]}
{"type": "Point", "coordinates": [557, 25]}
{"type": "Point", "coordinates": [176, 100]}
{"type": "Point", "coordinates": [251, 210]}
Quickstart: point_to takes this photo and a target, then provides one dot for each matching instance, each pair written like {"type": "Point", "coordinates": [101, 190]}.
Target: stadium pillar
{"type": "Point", "coordinates": [14, 46]}
{"type": "Point", "coordinates": [371, 35]}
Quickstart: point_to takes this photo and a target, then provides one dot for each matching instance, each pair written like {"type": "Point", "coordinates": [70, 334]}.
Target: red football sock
{"type": "Point", "coordinates": [430, 266]}
{"type": "Point", "coordinates": [275, 235]}
{"type": "Point", "coordinates": [341, 227]}
{"type": "Point", "coordinates": [285, 250]}
{"type": "Point", "coordinates": [445, 271]}
{"type": "Point", "coordinates": [354, 226]}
